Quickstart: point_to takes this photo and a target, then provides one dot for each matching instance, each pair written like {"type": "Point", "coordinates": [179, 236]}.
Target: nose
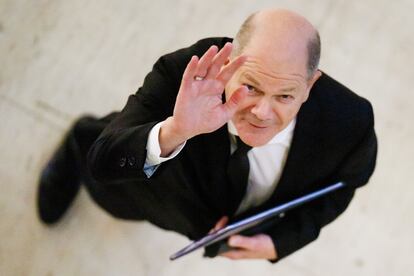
{"type": "Point", "coordinates": [262, 109]}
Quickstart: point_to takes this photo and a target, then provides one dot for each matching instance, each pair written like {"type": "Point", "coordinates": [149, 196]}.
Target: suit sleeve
{"type": "Point", "coordinates": [119, 152]}
{"type": "Point", "coordinates": [303, 225]}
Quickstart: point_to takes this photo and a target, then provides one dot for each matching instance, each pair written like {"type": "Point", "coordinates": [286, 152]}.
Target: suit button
{"type": "Point", "coordinates": [122, 162]}
{"type": "Point", "coordinates": [281, 215]}
{"type": "Point", "coordinates": [131, 161]}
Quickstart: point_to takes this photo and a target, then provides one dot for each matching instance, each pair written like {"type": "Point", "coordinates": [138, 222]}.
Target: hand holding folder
{"type": "Point", "coordinates": [216, 242]}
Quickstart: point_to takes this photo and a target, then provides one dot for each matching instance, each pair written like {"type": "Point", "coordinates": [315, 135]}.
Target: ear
{"type": "Point", "coordinates": [311, 82]}
{"type": "Point", "coordinates": [315, 77]}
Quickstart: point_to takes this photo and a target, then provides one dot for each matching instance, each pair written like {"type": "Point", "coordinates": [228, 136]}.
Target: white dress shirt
{"type": "Point", "coordinates": [266, 165]}
{"type": "Point", "coordinates": [266, 162]}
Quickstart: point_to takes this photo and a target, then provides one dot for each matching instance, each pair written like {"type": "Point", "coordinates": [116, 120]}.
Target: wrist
{"type": "Point", "coordinates": [175, 130]}
{"type": "Point", "coordinates": [171, 136]}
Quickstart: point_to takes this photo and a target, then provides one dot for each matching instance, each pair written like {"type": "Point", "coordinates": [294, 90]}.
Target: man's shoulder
{"type": "Point", "coordinates": [202, 45]}
{"type": "Point", "coordinates": [338, 102]}
{"type": "Point", "coordinates": [341, 115]}
{"type": "Point", "coordinates": [198, 48]}
{"type": "Point", "coordinates": [174, 63]}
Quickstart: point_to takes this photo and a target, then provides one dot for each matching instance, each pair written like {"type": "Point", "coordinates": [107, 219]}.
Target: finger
{"type": "Point", "coordinates": [189, 72]}
{"type": "Point", "coordinates": [219, 60]}
{"type": "Point", "coordinates": [231, 105]}
{"type": "Point", "coordinates": [221, 223]}
{"type": "Point", "coordinates": [243, 242]}
{"type": "Point", "coordinates": [237, 254]}
{"type": "Point", "coordinates": [206, 60]}
{"type": "Point", "coordinates": [228, 71]}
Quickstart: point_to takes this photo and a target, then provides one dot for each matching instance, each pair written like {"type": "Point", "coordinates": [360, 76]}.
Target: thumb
{"type": "Point", "coordinates": [231, 104]}
{"type": "Point", "coordinates": [242, 242]}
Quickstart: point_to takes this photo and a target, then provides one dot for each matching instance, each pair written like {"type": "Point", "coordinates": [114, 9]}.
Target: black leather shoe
{"type": "Point", "coordinates": [59, 183]}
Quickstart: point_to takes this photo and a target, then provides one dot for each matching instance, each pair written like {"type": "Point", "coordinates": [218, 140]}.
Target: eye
{"type": "Point", "coordinates": [286, 98]}
{"type": "Point", "coordinates": [250, 88]}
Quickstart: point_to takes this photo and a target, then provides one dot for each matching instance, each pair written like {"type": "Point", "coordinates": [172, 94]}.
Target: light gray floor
{"type": "Point", "coordinates": [60, 59]}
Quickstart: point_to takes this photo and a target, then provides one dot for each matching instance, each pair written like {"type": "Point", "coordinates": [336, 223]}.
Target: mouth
{"type": "Point", "coordinates": [257, 126]}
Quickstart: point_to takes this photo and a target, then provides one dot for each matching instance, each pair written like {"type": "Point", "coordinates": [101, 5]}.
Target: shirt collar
{"type": "Point", "coordinates": [284, 137]}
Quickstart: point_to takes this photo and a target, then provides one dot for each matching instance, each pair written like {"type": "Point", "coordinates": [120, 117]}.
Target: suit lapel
{"type": "Point", "coordinates": [211, 152]}
{"type": "Point", "coordinates": [298, 165]}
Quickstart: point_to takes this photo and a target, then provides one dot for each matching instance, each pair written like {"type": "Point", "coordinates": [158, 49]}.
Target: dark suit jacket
{"type": "Point", "coordinates": [334, 139]}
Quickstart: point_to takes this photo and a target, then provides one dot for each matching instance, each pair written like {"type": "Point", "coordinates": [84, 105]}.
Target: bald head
{"type": "Point", "coordinates": [279, 31]}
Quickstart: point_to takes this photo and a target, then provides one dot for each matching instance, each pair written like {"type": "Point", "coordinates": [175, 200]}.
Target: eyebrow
{"type": "Point", "coordinates": [257, 83]}
{"type": "Point", "coordinates": [253, 80]}
{"type": "Point", "coordinates": [290, 89]}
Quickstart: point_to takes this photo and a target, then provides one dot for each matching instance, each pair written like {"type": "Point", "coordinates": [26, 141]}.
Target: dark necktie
{"type": "Point", "coordinates": [238, 173]}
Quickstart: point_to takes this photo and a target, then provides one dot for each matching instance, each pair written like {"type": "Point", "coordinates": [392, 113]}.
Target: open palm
{"type": "Point", "coordinates": [199, 107]}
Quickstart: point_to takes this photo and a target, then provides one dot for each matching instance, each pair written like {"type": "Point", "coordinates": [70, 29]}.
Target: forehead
{"type": "Point", "coordinates": [290, 56]}
{"type": "Point", "coordinates": [262, 74]}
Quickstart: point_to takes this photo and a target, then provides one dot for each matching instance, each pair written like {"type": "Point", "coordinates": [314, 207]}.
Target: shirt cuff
{"type": "Point", "coordinates": [154, 149]}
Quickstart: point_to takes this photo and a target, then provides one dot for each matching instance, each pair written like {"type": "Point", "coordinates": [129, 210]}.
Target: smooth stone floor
{"type": "Point", "coordinates": [60, 59]}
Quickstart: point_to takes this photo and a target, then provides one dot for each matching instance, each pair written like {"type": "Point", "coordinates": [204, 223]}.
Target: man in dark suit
{"type": "Point", "coordinates": [204, 140]}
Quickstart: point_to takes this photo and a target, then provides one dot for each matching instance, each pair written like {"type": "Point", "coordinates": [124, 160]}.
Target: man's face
{"type": "Point", "coordinates": [276, 93]}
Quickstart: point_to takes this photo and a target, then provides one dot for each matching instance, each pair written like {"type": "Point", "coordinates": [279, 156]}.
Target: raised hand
{"type": "Point", "coordinates": [199, 108]}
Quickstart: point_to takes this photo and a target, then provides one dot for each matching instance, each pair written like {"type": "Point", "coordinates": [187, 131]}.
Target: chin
{"type": "Point", "coordinates": [253, 139]}
{"type": "Point", "coordinates": [255, 136]}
